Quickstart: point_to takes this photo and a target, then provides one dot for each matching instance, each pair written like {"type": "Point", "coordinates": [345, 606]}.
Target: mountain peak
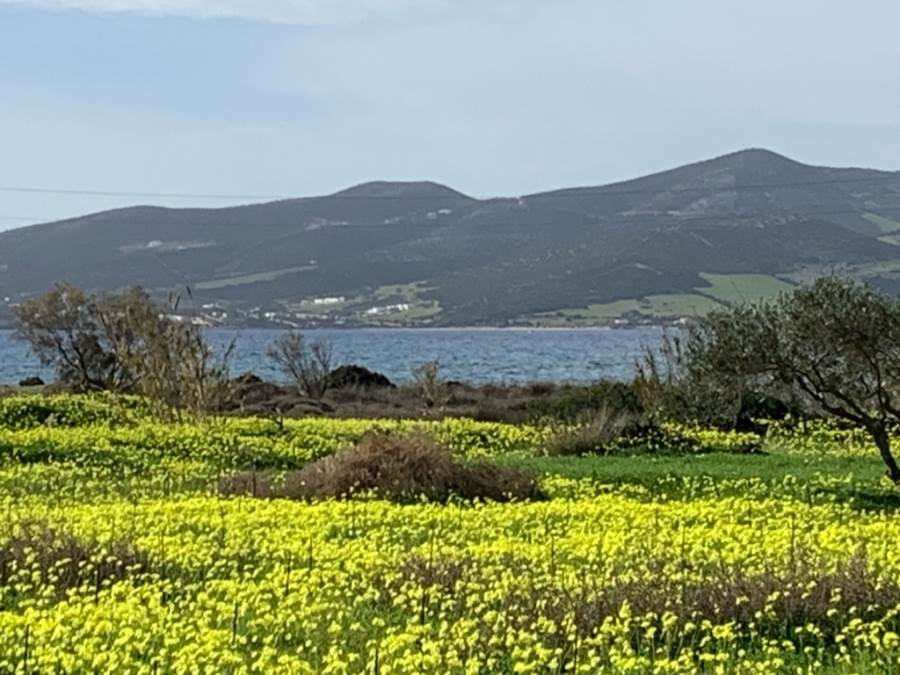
{"type": "Point", "coordinates": [759, 153]}
{"type": "Point", "coordinates": [400, 189]}
{"type": "Point", "coordinates": [757, 157]}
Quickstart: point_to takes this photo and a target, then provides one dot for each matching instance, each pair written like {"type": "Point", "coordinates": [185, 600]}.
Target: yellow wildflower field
{"type": "Point", "coordinates": [117, 555]}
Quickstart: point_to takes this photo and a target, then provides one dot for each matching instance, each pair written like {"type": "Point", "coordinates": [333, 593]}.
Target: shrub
{"type": "Point", "coordinates": [356, 376]}
{"type": "Point", "coordinates": [127, 343]}
{"type": "Point", "coordinates": [574, 403]}
{"type": "Point", "coordinates": [28, 412]}
{"type": "Point", "coordinates": [607, 433]}
{"type": "Point", "coordinates": [596, 433]}
{"type": "Point", "coordinates": [431, 386]}
{"type": "Point", "coordinates": [64, 562]}
{"type": "Point", "coordinates": [401, 468]}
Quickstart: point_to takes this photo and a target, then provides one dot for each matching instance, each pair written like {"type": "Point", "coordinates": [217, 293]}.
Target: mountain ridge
{"type": "Point", "coordinates": [423, 253]}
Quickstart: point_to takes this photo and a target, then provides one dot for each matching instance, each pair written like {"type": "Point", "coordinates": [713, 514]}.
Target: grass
{"type": "Point", "coordinates": [735, 288]}
{"type": "Point", "coordinates": [671, 305]}
{"type": "Point", "coordinates": [886, 225]}
{"type": "Point", "coordinates": [863, 271]}
{"type": "Point", "coordinates": [723, 289]}
{"type": "Point", "coordinates": [250, 278]}
{"type": "Point", "coordinates": [405, 292]}
{"type": "Point", "coordinates": [647, 469]}
{"type": "Point", "coordinates": [851, 480]}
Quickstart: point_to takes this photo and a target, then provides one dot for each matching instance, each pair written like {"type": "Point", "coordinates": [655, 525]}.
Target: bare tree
{"type": "Point", "coordinates": [306, 363]}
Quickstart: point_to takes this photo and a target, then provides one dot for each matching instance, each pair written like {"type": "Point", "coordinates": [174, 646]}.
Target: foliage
{"type": "Point", "coordinates": [596, 433]}
{"type": "Point", "coordinates": [89, 340]}
{"type": "Point", "coordinates": [570, 403]}
{"type": "Point", "coordinates": [833, 344]}
{"type": "Point", "coordinates": [672, 385]}
{"type": "Point", "coordinates": [26, 412]}
{"type": "Point", "coordinates": [124, 342]}
{"type": "Point", "coordinates": [130, 438]}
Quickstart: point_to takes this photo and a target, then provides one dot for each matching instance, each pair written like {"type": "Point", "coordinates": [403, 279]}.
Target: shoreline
{"type": "Point", "coordinates": [604, 327]}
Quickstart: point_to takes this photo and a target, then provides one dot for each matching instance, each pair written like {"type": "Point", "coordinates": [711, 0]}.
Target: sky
{"type": "Point", "coordinates": [253, 99]}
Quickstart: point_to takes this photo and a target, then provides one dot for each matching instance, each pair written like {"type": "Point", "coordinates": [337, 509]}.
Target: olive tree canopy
{"type": "Point", "coordinates": [124, 342]}
{"type": "Point", "coordinates": [834, 344]}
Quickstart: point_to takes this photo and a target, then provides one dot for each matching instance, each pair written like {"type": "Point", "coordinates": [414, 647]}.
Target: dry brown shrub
{"type": "Point", "coordinates": [399, 467]}
{"type": "Point", "coordinates": [770, 604]}
{"type": "Point", "coordinates": [64, 561]}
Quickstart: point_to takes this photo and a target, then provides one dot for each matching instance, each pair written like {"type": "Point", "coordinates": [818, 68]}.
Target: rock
{"type": "Point", "coordinates": [356, 376]}
{"type": "Point", "coordinates": [252, 390]}
{"type": "Point", "coordinates": [304, 407]}
{"type": "Point", "coordinates": [31, 382]}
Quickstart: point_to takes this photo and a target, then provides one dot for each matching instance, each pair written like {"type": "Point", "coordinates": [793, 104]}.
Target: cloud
{"type": "Point", "coordinates": [302, 12]}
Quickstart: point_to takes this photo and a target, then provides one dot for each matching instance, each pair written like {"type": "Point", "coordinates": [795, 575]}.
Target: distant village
{"type": "Point", "coordinates": [334, 312]}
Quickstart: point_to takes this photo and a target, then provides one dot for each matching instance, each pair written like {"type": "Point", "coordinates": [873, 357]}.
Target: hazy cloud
{"type": "Point", "coordinates": [305, 12]}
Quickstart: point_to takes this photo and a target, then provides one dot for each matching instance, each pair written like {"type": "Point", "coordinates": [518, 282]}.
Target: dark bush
{"type": "Point", "coordinates": [356, 376]}
{"type": "Point", "coordinates": [250, 389]}
{"type": "Point", "coordinates": [597, 433]}
{"type": "Point", "coordinates": [571, 403]}
{"type": "Point", "coordinates": [756, 408]}
{"type": "Point", "coordinates": [607, 432]}
{"type": "Point", "coordinates": [402, 468]}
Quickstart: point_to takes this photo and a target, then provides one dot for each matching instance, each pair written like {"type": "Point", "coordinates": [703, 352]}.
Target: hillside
{"type": "Point", "coordinates": [740, 226]}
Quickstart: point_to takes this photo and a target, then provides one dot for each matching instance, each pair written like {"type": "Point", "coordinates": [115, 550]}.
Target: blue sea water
{"type": "Point", "coordinates": [467, 354]}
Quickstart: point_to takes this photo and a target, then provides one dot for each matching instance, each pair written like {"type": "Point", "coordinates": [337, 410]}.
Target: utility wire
{"type": "Point", "coordinates": [569, 193]}
{"type": "Point", "coordinates": [601, 190]}
{"type": "Point", "coordinates": [113, 193]}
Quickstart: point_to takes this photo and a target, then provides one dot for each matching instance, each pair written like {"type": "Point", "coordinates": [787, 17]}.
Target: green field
{"type": "Point", "coordinates": [672, 305]}
{"type": "Point", "coordinates": [733, 289]}
{"type": "Point", "coordinates": [886, 225]}
{"type": "Point", "coordinates": [723, 289]}
{"type": "Point", "coordinates": [250, 278]}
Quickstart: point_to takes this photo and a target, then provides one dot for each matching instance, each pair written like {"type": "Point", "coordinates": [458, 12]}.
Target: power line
{"type": "Point", "coordinates": [138, 195]}
{"type": "Point", "coordinates": [600, 190]}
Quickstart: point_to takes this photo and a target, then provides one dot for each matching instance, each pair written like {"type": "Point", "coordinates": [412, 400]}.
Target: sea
{"type": "Point", "coordinates": [474, 355]}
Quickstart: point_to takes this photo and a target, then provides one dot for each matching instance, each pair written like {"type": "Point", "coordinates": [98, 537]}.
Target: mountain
{"type": "Point", "coordinates": [740, 226]}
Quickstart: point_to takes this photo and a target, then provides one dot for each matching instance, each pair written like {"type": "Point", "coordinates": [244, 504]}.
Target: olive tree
{"type": "Point", "coordinates": [124, 342]}
{"type": "Point", "coordinates": [89, 340]}
{"type": "Point", "coordinates": [834, 345]}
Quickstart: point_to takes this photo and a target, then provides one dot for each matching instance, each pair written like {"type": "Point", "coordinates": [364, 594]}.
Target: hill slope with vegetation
{"type": "Point", "coordinates": [678, 242]}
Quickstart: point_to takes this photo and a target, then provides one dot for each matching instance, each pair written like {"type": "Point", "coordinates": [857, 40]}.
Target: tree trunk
{"type": "Point", "coordinates": [883, 442]}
